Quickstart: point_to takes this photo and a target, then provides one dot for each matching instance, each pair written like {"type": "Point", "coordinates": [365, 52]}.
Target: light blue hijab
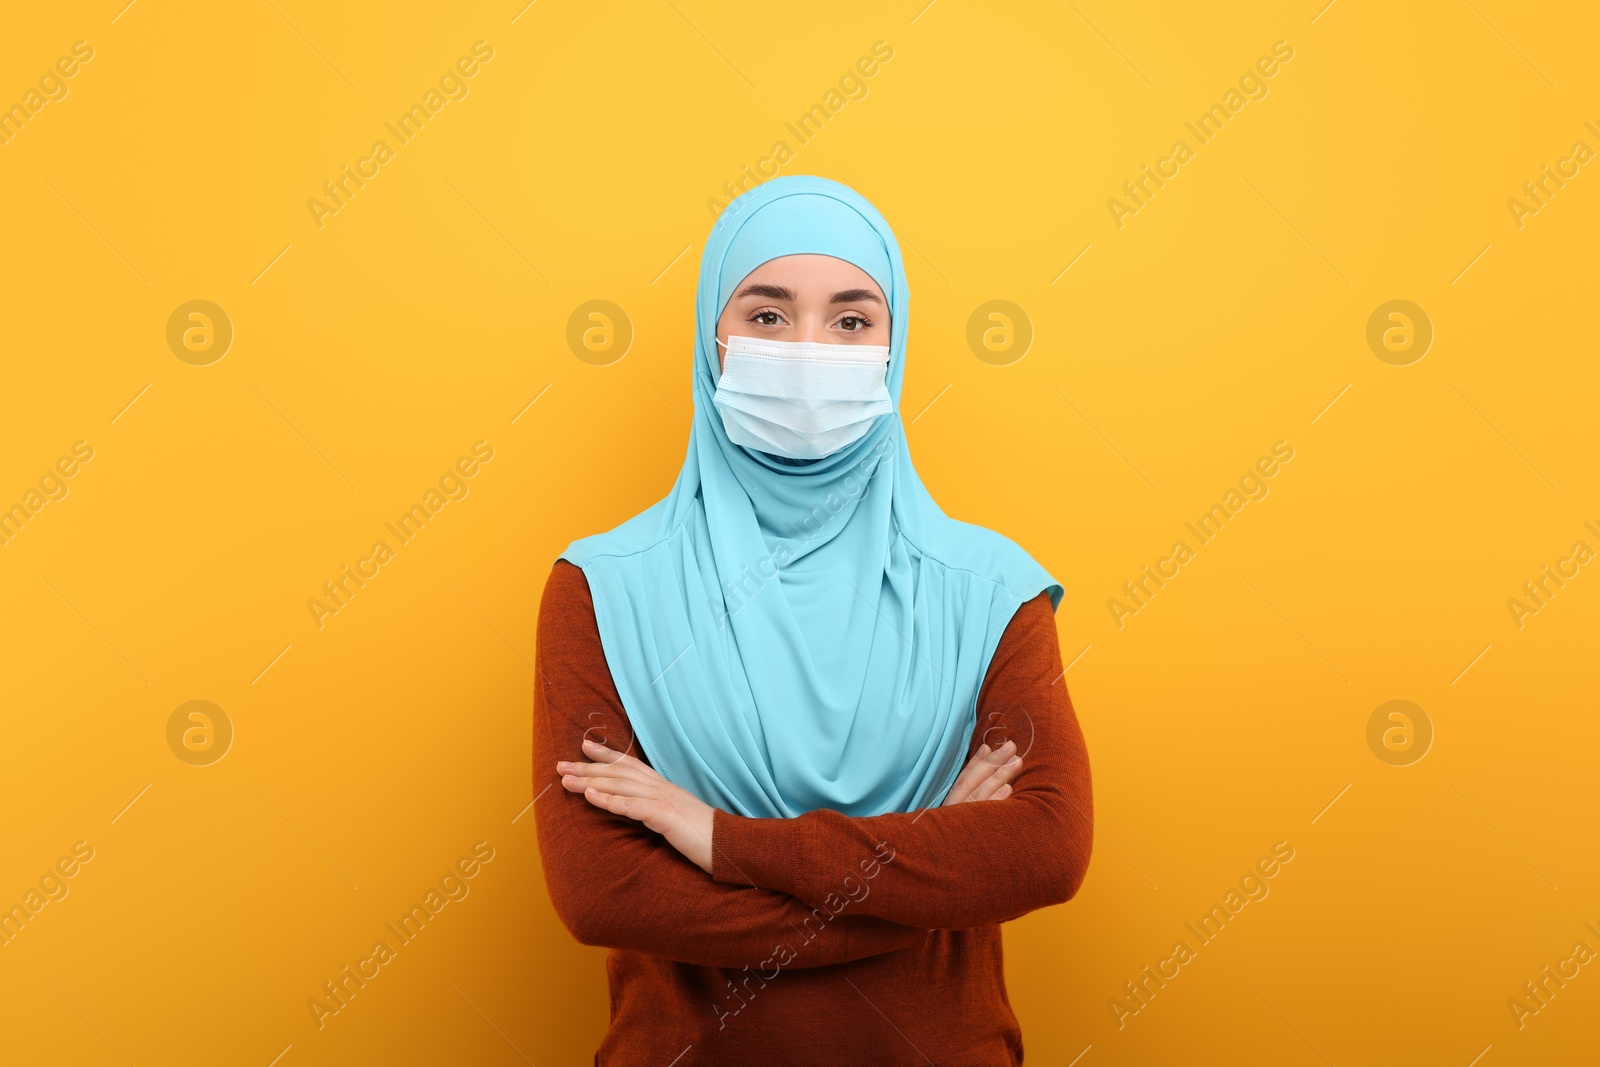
{"type": "Point", "coordinates": [788, 635]}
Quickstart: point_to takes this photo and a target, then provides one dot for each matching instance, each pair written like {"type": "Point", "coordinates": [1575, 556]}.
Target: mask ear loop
{"type": "Point", "coordinates": [724, 344]}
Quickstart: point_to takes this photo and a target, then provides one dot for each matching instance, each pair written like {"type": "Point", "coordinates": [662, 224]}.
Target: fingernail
{"type": "Point", "coordinates": [1013, 761]}
{"type": "Point", "coordinates": [563, 766]}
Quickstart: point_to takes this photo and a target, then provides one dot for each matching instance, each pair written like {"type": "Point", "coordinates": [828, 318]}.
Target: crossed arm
{"type": "Point", "coordinates": [962, 864]}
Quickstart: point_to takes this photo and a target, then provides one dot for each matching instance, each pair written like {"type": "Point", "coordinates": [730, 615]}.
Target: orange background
{"type": "Point", "coordinates": [369, 353]}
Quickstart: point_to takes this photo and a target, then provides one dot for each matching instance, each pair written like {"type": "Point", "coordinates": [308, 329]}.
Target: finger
{"type": "Point", "coordinates": [969, 777]}
{"type": "Point", "coordinates": [1003, 792]}
{"type": "Point", "coordinates": [622, 787]}
{"type": "Point", "coordinates": [625, 806]}
{"type": "Point", "coordinates": [984, 763]}
{"type": "Point", "coordinates": [608, 770]}
{"type": "Point", "coordinates": [640, 809]}
{"type": "Point", "coordinates": [998, 757]}
{"type": "Point", "coordinates": [1002, 775]}
{"type": "Point", "coordinates": [604, 754]}
{"type": "Point", "coordinates": [985, 760]}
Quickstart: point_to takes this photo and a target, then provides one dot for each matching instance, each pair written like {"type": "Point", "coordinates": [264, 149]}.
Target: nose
{"type": "Point", "coordinates": [810, 328]}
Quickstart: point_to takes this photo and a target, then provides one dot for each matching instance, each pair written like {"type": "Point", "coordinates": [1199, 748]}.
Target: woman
{"type": "Point", "coordinates": [833, 686]}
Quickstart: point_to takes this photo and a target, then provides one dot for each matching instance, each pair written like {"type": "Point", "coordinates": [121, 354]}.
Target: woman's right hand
{"type": "Point", "coordinates": [987, 776]}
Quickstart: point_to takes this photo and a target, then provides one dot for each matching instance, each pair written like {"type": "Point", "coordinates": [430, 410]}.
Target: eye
{"type": "Point", "coordinates": [855, 323]}
{"type": "Point", "coordinates": [766, 317]}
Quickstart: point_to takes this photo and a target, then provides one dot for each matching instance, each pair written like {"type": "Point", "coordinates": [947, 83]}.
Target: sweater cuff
{"type": "Point", "coordinates": [767, 853]}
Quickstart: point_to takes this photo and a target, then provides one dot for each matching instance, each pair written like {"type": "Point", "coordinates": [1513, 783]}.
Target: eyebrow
{"type": "Point", "coordinates": [783, 292]}
{"type": "Point", "coordinates": [776, 292]}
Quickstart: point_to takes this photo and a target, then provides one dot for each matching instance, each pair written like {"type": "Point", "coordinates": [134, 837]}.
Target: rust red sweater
{"type": "Point", "coordinates": [822, 939]}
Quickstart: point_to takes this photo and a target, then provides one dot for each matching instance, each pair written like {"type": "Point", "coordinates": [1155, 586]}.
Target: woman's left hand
{"type": "Point", "coordinates": [623, 784]}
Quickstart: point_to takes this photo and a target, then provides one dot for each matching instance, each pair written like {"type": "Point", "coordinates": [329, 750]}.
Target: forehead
{"type": "Point", "coordinates": [809, 275]}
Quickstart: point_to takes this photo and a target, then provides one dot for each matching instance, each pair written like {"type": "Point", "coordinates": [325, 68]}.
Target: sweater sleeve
{"type": "Point", "coordinates": [616, 883]}
{"type": "Point", "coordinates": [968, 864]}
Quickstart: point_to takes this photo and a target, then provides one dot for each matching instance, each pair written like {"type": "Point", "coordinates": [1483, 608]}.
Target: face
{"type": "Point", "coordinates": [806, 298]}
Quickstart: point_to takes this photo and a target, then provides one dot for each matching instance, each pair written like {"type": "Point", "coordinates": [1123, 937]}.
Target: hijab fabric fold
{"type": "Point", "coordinates": [787, 635]}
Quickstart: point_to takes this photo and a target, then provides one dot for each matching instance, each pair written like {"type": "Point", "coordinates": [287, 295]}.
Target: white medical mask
{"type": "Point", "coordinates": [801, 399]}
